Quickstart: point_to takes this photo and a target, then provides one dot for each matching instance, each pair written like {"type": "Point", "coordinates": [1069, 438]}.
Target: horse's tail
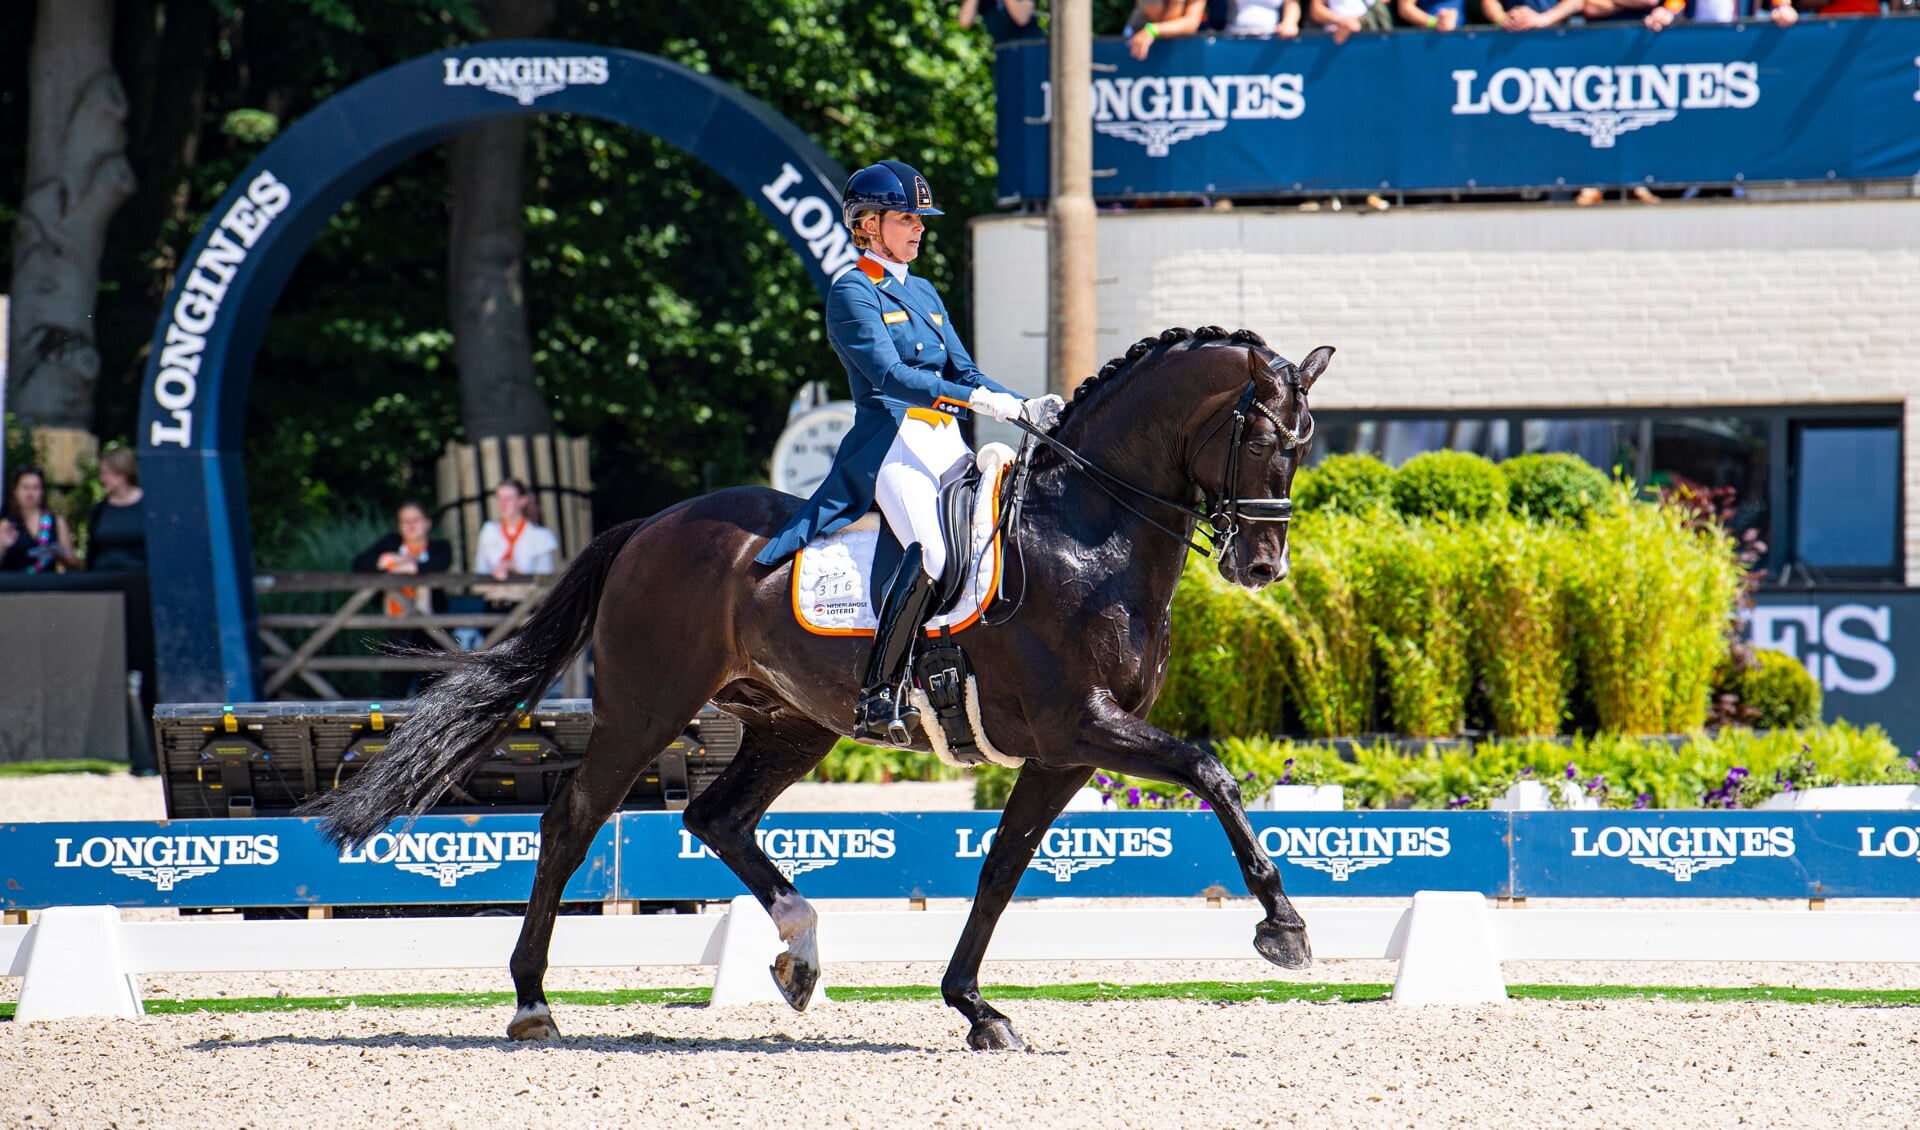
{"type": "Point", "coordinates": [460, 718]}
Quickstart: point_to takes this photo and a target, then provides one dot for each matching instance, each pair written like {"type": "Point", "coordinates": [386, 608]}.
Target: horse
{"type": "Point", "coordinates": [679, 615]}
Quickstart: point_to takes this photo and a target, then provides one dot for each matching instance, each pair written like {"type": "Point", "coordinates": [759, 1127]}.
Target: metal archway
{"type": "Point", "coordinates": [200, 558]}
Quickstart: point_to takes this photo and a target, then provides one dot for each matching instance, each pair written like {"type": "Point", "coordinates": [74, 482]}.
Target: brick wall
{"type": "Point", "coordinates": [1512, 307]}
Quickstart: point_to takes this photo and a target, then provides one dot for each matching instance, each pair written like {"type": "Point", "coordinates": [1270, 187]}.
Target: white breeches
{"type": "Point", "coordinates": [924, 457]}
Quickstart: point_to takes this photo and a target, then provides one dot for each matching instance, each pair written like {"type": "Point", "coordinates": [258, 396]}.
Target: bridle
{"type": "Point", "coordinates": [1223, 514]}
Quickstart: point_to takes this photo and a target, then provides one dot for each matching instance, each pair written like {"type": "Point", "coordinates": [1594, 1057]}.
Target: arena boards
{"type": "Point", "coordinates": [650, 856]}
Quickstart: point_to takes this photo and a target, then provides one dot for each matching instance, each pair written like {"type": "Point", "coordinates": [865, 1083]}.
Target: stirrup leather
{"type": "Point", "coordinates": [904, 609]}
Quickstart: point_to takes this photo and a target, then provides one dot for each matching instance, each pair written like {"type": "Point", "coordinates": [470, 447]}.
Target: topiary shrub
{"type": "Point", "coordinates": [1344, 484]}
{"type": "Point", "coordinates": [1456, 484]}
{"type": "Point", "coordinates": [1557, 487]}
{"type": "Point", "coordinates": [1781, 692]}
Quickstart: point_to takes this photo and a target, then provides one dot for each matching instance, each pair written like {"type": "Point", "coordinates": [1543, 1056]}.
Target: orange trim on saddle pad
{"type": "Point", "coordinates": [993, 586]}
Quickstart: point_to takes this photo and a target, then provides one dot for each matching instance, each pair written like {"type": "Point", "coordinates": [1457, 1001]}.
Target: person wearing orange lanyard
{"type": "Point", "coordinates": [409, 551]}
{"type": "Point", "coordinates": [912, 382]}
{"type": "Point", "coordinates": [515, 543]}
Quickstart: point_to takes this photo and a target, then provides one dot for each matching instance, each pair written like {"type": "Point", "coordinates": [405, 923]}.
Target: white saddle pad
{"type": "Point", "coordinates": [830, 575]}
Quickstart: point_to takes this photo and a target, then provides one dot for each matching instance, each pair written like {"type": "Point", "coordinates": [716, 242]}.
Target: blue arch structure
{"type": "Point", "coordinates": [200, 558]}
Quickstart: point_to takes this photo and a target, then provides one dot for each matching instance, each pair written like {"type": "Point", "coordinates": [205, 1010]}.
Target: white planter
{"type": "Point", "coordinates": [1302, 798]}
{"type": "Point", "coordinates": [1086, 800]}
{"type": "Point", "coordinates": [1846, 798]}
{"type": "Point", "coordinates": [1532, 796]}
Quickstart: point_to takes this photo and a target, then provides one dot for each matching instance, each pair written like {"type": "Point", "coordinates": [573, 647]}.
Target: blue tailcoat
{"type": "Point", "coordinates": [900, 349]}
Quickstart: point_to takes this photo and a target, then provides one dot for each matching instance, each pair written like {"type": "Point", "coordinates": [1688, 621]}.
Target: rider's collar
{"type": "Point", "coordinates": [897, 270]}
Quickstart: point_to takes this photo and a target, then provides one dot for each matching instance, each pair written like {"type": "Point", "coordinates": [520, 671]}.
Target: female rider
{"type": "Point", "coordinates": [912, 382]}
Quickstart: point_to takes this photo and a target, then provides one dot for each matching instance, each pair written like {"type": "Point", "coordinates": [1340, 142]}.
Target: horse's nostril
{"type": "Point", "coordinates": [1262, 572]}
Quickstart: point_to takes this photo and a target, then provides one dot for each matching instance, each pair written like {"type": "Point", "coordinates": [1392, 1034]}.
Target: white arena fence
{"type": "Point", "coordinates": [85, 962]}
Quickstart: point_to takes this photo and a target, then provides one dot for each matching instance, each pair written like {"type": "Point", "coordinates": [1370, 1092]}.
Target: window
{"type": "Point", "coordinates": [1846, 498]}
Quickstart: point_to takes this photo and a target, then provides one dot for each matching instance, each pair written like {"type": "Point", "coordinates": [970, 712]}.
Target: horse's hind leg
{"type": "Point", "coordinates": [1038, 796]}
{"type": "Point", "coordinates": [777, 750]}
{"type": "Point", "coordinates": [623, 743]}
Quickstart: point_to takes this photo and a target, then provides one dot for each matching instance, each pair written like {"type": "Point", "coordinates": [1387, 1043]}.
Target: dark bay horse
{"type": "Point", "coordinates": [679, 614]}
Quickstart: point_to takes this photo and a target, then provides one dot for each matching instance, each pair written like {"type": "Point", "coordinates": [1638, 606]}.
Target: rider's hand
{"type": "Point", "coordinates": [1043, 412]}
{"type": "Point", "coordinates": [1002, 406]}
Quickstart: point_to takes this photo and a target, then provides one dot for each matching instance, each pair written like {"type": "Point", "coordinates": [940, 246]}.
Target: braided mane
{"type": "Point", "coordinates": [1204, 335]}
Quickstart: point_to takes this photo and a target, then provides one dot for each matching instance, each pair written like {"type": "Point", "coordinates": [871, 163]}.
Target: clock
{"type": "Point", "coordinates": [806, 448]}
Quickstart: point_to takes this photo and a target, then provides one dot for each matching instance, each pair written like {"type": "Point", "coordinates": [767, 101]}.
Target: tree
{"type": "Point", "coordinates": [77, 176]}
{"type": "Point", "coordinates": [486, 268]}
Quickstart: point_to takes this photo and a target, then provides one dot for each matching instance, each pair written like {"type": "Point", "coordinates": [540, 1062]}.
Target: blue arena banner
{"type": "Point", "coordinates": [283, 862]}
{"type": "Point", "coordinates": [1084, 854]}
{"type": "Point", "coordinates": [1598, 105]}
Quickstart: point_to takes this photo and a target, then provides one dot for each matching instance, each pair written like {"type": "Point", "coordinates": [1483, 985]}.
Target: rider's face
{"type": "Point", "coordinates": [898, 236]}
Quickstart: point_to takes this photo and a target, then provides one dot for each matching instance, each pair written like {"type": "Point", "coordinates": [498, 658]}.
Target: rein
{"type": "Point", "coordinates": [1223, 517]}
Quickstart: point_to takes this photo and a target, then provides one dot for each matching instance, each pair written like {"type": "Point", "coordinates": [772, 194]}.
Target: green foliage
{"type": "Point", "coordinates": [1650, 597]}
{"type": "Point", "coordinates": [1516, 613]}
{"type": "Point", "coordinates": [1344, 484]}
{"type": "Point", "coordinates": [1458, 485]}
{"type": "Point", "coordinates": [1555, 486]}
{"type": "Point", "coordinates": [1416, 578]}
{"type": "Point", "coordinates": [1781, 691]}
{"type": "Point", "coordinates": [853, 762]}
{"type": "Point", "coordinates": [1329, 675]}
{"type": "Point", "coordinates": [251, 127]}
{"type": "Point", "coordinates": [1231, 679]}
{"type": "Point", "coordinates": [1617, 770]}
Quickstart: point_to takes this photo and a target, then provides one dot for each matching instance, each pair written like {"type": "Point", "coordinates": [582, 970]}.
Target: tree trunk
{"type": "Point", "coordinates": [486, 269]}
{"type": "Point", "coordinates": [77, 177]}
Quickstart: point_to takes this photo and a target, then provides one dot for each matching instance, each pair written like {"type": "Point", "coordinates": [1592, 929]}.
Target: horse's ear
{"type": "Point", "coordinates": [1314, 365]}
{"type": "Point", "coordinates": [1266, 382]}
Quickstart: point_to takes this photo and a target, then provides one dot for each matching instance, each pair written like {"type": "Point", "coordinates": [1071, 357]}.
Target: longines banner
{"type": "Point", "coordinates": [1823, 100]}
{"type": "Point", "coordinates": [1856, 643]}
{"type": "Point", "coordinates": [491, 859]}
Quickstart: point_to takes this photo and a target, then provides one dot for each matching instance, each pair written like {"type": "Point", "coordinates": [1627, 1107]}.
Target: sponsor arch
{"type": "Point", "coordinates": [200, 558]}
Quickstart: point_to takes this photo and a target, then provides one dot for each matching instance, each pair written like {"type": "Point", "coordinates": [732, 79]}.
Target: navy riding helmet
{"type": "Point", "coordinates": [890, 186]}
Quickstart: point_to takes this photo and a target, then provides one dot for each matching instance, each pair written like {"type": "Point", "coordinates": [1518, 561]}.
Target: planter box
{"type": "Point", "coordinates": [1845, 798]}
{"type": "Point", "coordinates": [1301, 798]}
{"type": "Point", "coordinates": [1532, 796]}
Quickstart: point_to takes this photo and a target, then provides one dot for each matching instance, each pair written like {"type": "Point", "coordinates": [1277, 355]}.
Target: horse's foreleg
{"type": "Point", "coordinates": [607, 771]}
{"type": "Point", "coordinates": [1115, 739]}
{"type": "Point", "coordinates": [1038, 796]}
{"type": "Point", "coordinates": [772, 757]}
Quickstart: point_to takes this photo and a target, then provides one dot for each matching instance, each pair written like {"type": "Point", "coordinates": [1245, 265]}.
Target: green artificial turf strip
{"type": "Point", "coordinates": [1095, 991]}
{"type": "Point", "coordinates": [44, 768]}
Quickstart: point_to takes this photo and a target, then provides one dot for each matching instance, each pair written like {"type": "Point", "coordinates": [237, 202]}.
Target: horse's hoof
{"type": "Point", "coordinates": [1285, 946]}
{"type": "Point", "coordinates": [995, 1036]}
{"type": "Point", "coordinates": [532, 1023]}
{"type": "Point", "coordinates": [795, 979]}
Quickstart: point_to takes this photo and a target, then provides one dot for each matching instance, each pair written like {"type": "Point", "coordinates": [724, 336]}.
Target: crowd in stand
{"type": "Point", "coordinates": [1153, 20]}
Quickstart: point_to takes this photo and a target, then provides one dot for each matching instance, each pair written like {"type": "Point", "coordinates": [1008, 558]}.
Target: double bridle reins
{"type": "Point", "coordinates": [1222, 516]}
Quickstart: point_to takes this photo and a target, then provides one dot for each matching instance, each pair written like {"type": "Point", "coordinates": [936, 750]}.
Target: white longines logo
{"type": "Point", "coordinates": [1603, 102]}
{"type": "Point", "coordinates": [1066, 852]}
{"type": "Point", "coordinates": [527, 80]}
{"type": "Point", "coordinates": [167, 861]}
{"type": "Point", "coordinates": [446, 857]}
{"type": "Point", "coordinates": [1680, 851]}
{"type": "Point", "coordinates": [796, 851]}
{"type": "Point", "coordinates": [1159, 112]}
{"type": "Point", "coordinates": [1341, 851]}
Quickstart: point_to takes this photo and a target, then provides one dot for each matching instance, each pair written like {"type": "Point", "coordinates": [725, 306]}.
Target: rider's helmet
{"type": "Point", "coordinates": [890, 186]}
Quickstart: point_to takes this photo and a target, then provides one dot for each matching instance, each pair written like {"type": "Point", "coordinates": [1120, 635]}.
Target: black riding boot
{"type": "Point", "coordinates": [902, 611]}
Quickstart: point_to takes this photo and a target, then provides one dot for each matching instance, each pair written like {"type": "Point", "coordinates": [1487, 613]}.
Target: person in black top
{"type": "Point", "coordinates": [407, 551]}
{"type": "Point", "coordinates": [117, 529]}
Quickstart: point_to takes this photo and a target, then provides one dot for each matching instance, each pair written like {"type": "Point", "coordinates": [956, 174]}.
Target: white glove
{"type": "Point", "coordinates": [1043, 412]}
{"type": "Point", "coordinates": [1002, 406]}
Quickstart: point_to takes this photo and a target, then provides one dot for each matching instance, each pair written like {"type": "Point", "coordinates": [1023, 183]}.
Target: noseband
{"type": "Point", "coordinates": [1223, 514]}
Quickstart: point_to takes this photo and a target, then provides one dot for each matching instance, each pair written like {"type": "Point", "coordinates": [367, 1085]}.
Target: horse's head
{"type": "Point", "coordinates": [1245, 464]}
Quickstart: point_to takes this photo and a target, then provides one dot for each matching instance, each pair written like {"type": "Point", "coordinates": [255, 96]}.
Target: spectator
{"type": "Point", "coordinates": [1602, 11]}
{"type": "Point", "coordinates": [407, 552]}
{"type": "Point", "coordinates": [1265, 17]}
{"type": "Point", "coordinates": [515, 543]}
{"type": "Point", "coordinates": [35, 540]}
{"type": "Point", "coordinates": [1526, 15]}
{"type": "Point", "coordinates": [117, 528]}
{"type": "Point", "coordinates": [1346, 17]}
{"type": "Point", "coordinates": [1007, 21]}
{"type": "Point", "coordinates": [1434, 15]}
{"type": "Point", "coordinates": [1839, 8]}
{"type": "Point", "coordinates": [1716, 12]}
{"type": "Point", "coordinates": [1162, 19]}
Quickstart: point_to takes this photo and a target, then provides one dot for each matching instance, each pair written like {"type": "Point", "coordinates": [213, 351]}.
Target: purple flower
{"type": "Point", "coordinates": [1460, 802]}
{"type": "Point", "coordinates": [1205, 807]}
{"type": "Point", "coordinates": [1133, 798]}
{"type": "Point", "coordinates": [1103, 779]}
{"type": "Point", "coordinates": [1642, 801]}
{"type": "Point", "coordinates": [1572, 773]}
{"type": "Point", "coordinates": [1286, 773]}
{"type": "Point", "coordinates": [1526, 770]}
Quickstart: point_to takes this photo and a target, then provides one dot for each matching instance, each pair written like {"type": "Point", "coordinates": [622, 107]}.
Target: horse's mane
{"type": "Point", "coordinates": [1113, 371]}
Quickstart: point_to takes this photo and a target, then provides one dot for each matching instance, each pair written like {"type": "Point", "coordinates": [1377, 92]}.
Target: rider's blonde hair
{"type": "Point", "coordinates": [862, 239]}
